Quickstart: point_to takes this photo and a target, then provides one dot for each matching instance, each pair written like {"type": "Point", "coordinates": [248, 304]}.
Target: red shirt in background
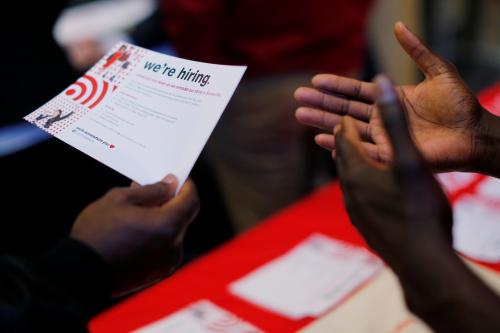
{"type": "Point", "coordinates": [271, 36]}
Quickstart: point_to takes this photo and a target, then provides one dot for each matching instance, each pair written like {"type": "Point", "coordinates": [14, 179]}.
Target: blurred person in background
{"type": "Point", "coordinates": [258, 151]}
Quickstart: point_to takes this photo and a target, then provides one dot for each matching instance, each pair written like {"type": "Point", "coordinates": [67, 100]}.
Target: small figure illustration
{"type": "Point", "coordinates": [122, 55]}
{"type": "Point", "coordinates": [53, 117]}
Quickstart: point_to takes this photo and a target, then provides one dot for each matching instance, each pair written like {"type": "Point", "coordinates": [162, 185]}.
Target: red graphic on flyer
{"type": "Point", "coordinates": [89, 90]}
{"type": "Point", "coordinates": [117, 63]}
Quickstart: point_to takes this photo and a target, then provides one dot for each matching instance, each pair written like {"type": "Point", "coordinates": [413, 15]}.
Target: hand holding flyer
{"type": "Point", "coordinates": [142, 113]}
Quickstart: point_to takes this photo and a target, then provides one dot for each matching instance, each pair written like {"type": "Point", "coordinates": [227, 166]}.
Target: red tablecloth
{"type": "Point", "coordinates": [209, 277]}
{"type": "Point", "coordinates": [490, 99]}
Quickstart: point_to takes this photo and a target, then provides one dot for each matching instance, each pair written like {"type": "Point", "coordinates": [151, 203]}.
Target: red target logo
{"type": "Point", "coordinates": [224, 324]}
{"type": "Point", "coordinates": [89, 91]}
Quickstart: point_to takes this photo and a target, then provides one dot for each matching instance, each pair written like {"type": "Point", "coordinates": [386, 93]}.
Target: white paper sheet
{"type": "Point", "coordinates": [142, 113]}
{"type": "Point", "coordinates": [308, 280]}
{"type": "Point", "coordinates": [476, 226]}
{"type": "Point", "coordinates": [377, 308]}
{"type": "Point", "coordinates": [100, 20]}
{"type": "Point", "coordinates": [200, 317]}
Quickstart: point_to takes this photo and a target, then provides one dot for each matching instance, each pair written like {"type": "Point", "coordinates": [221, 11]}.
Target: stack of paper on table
{"type": "Point", "coordinates": [377, 308]}
{"type": "Point", "coordinates": [311, 278]}
{"type": "Point", "coordinates": [380, 307]}
{"type": "Point", "coordinates": [476, 225]}
{"type": "Point", "coordinates": [200, 317]}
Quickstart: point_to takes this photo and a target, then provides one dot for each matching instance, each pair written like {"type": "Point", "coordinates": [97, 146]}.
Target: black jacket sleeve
{"type": "Point", "coordinates": [57, 292]}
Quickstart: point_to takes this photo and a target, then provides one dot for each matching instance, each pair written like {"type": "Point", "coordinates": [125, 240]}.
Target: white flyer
{"type": "Point", "coordinates": [310, 279]}
{"type": "Point", "coordinates": [142, 113]}
{"type": "Point", "coordinates": [476, 222]}
{"type": "Point", "coordinates": [200, 317]}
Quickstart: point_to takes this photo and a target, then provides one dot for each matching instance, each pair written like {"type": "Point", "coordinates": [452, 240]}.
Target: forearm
{"type": "Point", "coordinates": [486, 145]}
{"type": "Point", "coordinates": [57, 292]}
{"type": "Point", "coordinates": [442, 291]}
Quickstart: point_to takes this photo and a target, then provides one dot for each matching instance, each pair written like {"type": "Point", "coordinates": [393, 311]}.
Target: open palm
{"type": "Point", "coordinates": [442, 112]}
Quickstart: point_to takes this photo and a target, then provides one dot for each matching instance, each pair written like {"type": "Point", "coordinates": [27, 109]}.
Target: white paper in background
{"type": "Point", "coordinates": [142, 113]}
{"type": "Point", "coordinates": [200, 317]}
{"type": "Point", "coordinates": [476, 226]}
{"type": "Point", "coordinates": [308, 280]}
{"type": "Point", "coordinates": [100, 20]}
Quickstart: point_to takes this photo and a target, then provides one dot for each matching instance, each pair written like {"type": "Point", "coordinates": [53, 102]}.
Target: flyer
{"type": "Point", "coordinates": [142, 113]}
{"type": "Point", "coordinates": [200, 317]}
{"type": "Point", "coordinates": [310, 279]}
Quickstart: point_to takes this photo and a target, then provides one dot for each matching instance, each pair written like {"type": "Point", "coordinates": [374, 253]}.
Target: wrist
{"type": "Point", "coordinates": [428, 276]}
{"type": "Point", "coordinates": [435, 278]}
{"type": "Point", "coordinates": [449, 297]}
{"type": "Point", "coordinates": [486, 145]}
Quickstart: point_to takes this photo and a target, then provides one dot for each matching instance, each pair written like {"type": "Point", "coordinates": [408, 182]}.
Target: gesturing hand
{"type": "Point", "coordinates": [399, 208]}
{"type": "Point", "coordinates": [139, 230]}
{"type": "Point", "coordinates": [404, 215]}
{"type": "Point", "coordinates": [442, 113]}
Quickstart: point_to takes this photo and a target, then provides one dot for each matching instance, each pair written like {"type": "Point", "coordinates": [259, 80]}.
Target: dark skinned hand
{"type": "Point", "coordinates": [403, 214]}
{"type": "Point", "coordinates": [444, 116]}
{"type": "Point", "coordinates": [139, 231]}
{"type": "Point", "coordinates": [394, 206]}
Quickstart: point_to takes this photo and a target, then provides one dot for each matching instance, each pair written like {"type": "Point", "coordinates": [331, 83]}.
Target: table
{"type": "Point", "coordinates": [323, 212]}
{"type": "Point", "coordinates": [208, 277]}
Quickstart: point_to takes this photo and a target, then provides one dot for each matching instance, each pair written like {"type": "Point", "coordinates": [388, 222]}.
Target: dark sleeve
{"type": "Point", "coordinates": [58, 292]}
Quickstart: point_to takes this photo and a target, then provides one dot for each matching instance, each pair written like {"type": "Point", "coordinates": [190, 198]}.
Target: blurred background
{"type": "Point", "coordinates": [467, 32]}
{"type": "Point", "coordinates": [258, 160]}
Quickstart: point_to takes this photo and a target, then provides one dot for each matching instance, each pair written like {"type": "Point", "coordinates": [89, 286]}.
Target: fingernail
{"type": "Point", "coordinates": [337, 129]}
{"type": "Point", "coordinates": [402, 25]}
{"type": "Point", "coordinates": [170, 179]}
{"type": "Point", "coordinates": [385, 91]}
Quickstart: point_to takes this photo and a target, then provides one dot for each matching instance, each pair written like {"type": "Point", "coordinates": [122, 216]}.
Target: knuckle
{"type": "Point", "coordinates": [145, 221]}
{"type": "Point", "coordinates": [448, 66]}
{"type": "Point", "coordinates": [324, 102]}
{"type": "Point", "coordinates": [418, 52]}
{"type": "Point", "coordinates": [344, 107]}
{"type": "Point", "coordinates": [159, 189]}
{"type": "Point", "coordinates": [369, 111]}
{"type": "Point", "coordinates": [324, 121]}
{"type": "Point", "coordinates": [157, 225]}
{"type": "Point", "coordinates": [117, 194]}
{"type": "Point", "coordinates": [368, 132]}
{"type": "Point", "coordinates": [357, 87]}
{"type": "Point", "coordinates": [170, 223]}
